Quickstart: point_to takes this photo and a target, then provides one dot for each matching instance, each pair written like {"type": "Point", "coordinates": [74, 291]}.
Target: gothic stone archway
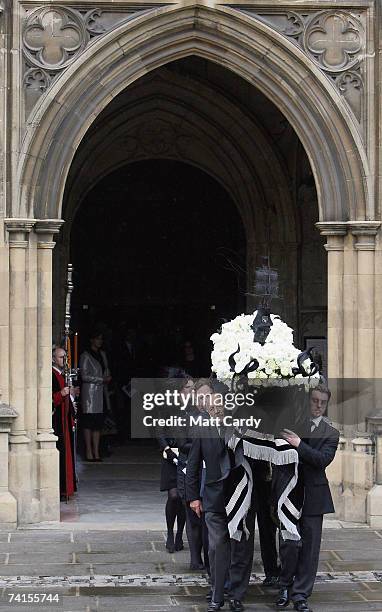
{"type": "Point", "coordinates": [322, 85]}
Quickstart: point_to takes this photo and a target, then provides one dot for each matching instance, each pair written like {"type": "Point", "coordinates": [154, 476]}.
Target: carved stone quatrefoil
{"type": "Point", "coordinates": [53, 37]}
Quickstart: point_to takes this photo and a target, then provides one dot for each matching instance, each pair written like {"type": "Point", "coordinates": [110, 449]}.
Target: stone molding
{"type": "Point", "coordinates": [19, 230]}
{"type": "Point", "coordinates": [332, 228]}
{"type": "Point", "coordinates": [365, 232]}
{"type": "Point", "coordinates": [375, 423]}
{"type": "Point", "coordinates": [7, 414]}
{"type": "Point", "coordinates": [335, 232]}
{"type": "Point", "coordinates": [362, 445]}
{"type": "Point", "coordinates": [46, 229]}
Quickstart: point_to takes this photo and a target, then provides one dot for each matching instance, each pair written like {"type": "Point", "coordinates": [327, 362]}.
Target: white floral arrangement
{"type": "Point", "coordinates": [277, 357]}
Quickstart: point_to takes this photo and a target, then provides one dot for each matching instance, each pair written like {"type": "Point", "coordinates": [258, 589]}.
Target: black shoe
{"type": "Point", "coordinates": [213, 606]}
{"type": "Point", "coordinates": [170, 545]}
{"type": "Point", "coordinates": [235, 605]}
{"type": "Point", "coordinates": [198, 566]}
{"type": "Point", "coordinates": [271, 581]}
{"type": "Point", "coordinates": [302, 606]}
{"type": "Point", "coordinates": [283, 599]}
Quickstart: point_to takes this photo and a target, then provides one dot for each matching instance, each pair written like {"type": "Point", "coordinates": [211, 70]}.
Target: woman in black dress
{"type": "Point", "coordinates": [168, 445]}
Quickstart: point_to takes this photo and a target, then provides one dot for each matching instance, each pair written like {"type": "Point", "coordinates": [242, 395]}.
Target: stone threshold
{"type": "Point", "coordinates": [146, 526]}
{"type": "Point", "coordinates": [166, 580]}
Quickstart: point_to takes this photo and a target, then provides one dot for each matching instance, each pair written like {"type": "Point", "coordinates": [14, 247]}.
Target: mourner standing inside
{"type": "Point", "coordinates": [95, 377]}
{"type": "Point", "coordinates": [299, 559]}
{"type": "Point", "coordinates": [63, 422]}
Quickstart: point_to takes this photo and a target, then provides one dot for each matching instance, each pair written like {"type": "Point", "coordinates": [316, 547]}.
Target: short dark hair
{"type": "Point", "coordinates": [95, 333]}
{"type": "Point", "coordinates": [178, 383]}
{"type": "Point", "coordinates": [322, 388]}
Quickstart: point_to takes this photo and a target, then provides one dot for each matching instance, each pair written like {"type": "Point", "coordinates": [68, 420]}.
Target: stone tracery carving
{"type": "Point", "coordinates": [53, 37]}
{"type": "Point", "coordinates": [156, 137]}
{"type": "Point", "coordinates": [295, 25]}
{"type": "Point", "coordinates": [351, 85]}
{"type": "Point", "coordinates": [37, 79]}
{"type": "Point", "coordinates": [99, 21]}
{"type": "Point", "coordinates": [333, 39]}
{"type": "Point", "coordinates": [93, 22]}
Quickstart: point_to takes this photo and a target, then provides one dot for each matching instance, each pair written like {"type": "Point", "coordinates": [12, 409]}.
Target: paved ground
{"type": "Point", "coordinates": [108, 554]}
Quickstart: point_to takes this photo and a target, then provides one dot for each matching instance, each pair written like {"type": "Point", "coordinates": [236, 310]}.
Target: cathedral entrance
{"type": "Point", "coordinates": [234, 93]}
{"type": "Point", "coordinates": [185, 180]}
{"type": "Point", "coordinates": [158, 250]}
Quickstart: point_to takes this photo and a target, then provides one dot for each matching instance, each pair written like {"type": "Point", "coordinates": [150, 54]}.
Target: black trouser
{"type": "Point", "coordinates": [299, 559]}
{"type": "Point", "coordinates": [219, 552]}
{"type": "Point", "coordinates": [267, 527]}
{"type": "Point", "coordinates": [242, 558]}
{"type": "Point", "coordinates": [195, 529]}
{"type": "Point", "coordinates": [205, 544]}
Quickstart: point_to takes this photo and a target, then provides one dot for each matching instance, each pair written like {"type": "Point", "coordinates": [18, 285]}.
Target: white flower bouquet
{"type": "Point", "coordinates": [277, 358]}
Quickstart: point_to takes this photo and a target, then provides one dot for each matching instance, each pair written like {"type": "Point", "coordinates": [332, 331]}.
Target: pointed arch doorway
{"type": "Point", "coordinates": [159, 252]}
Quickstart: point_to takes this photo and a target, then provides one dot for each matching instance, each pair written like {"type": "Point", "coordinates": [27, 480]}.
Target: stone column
{"type": "Point", "coordinates": [8, 503]}
{"type": "Point", "coordinates": [365, 232]}
{"type": "Point", "coordinates": [47, 455]}
{"type": "Point", "coordinates": [335, 233]}
{"type": "Point", "coordinates": [20, 457]}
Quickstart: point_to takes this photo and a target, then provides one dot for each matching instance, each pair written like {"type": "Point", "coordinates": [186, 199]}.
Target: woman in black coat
{"type": "Point", "coordinates": [168, 445]}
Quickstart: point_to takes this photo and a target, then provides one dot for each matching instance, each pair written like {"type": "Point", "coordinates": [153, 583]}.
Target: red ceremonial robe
{"type": "Point", "coordinates": [63, 426]}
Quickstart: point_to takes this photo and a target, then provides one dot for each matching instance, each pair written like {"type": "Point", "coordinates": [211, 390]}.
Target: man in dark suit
{"type": "Point", "coordinates": [210, 448]}
{"type": "Point", "coordinates": [299, 560]}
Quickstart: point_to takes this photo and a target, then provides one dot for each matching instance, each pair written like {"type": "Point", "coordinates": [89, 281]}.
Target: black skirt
{"type": "Point", "coordinates": [94, 422]}
{"type": "Point", "coordinates": [168, 476]}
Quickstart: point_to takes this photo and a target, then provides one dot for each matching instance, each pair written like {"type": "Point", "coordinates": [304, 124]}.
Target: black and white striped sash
{"type": "Point", "coordinates": [287, 490]}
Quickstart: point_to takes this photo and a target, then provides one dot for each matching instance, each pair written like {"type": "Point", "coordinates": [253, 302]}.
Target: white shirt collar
{"type": "Point", "coordinates": [317, 420]}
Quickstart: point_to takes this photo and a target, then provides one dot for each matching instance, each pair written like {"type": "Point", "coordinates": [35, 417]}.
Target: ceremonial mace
{"type": "Point", "coordinates": [70, 373]}
{"type": "Point", "coordinates": [68, 355]}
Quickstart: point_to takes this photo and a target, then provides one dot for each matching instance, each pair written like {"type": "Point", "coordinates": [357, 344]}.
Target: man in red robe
{"type": "Point", "coordinates": [63, 422]}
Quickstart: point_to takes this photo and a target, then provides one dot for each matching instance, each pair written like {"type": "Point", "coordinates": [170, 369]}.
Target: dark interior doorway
{"type": "Point", "coordinates": [152, 246]}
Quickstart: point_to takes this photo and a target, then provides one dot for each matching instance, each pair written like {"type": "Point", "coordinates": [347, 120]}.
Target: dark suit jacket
{"type": "Point", "coordinates": [315, 454]}
{"type": "Point", "coordinates": [216, 456]}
